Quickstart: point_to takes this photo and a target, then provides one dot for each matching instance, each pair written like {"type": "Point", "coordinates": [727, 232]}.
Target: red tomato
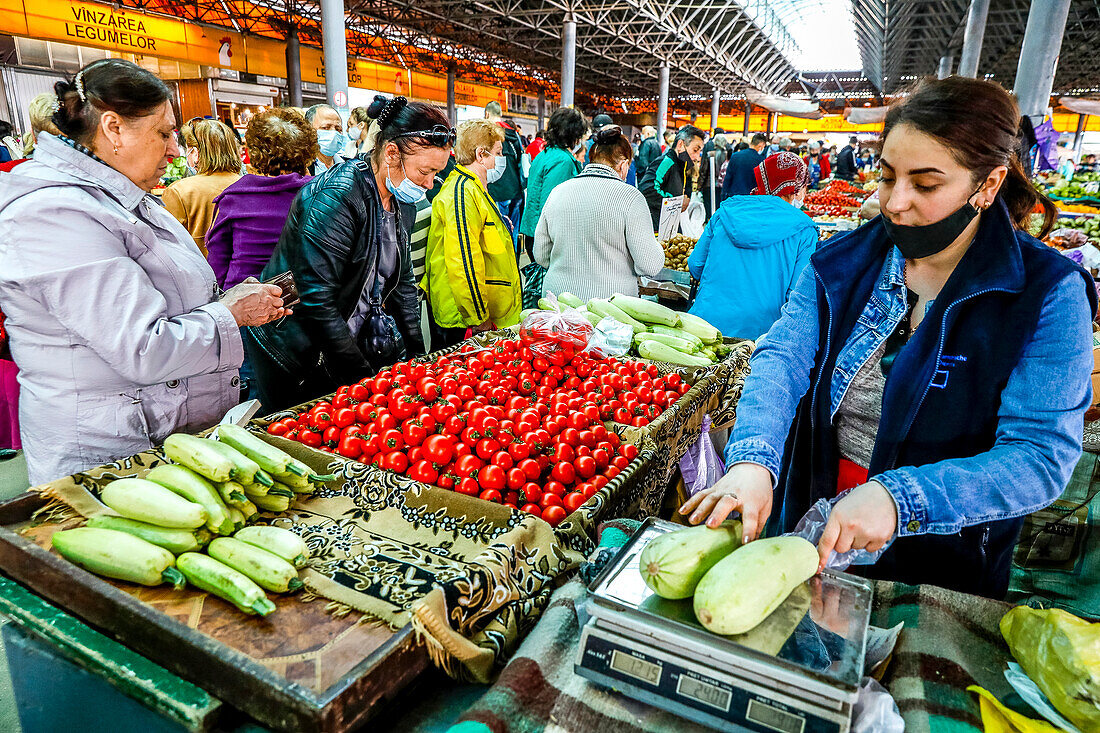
{"type": "Point", "coordinates": [503, 459]}
{"type": "Point", "coordinates": [516, 478]}
{"type": "Point", "coordinates": [467, 466]}
{"type": "Point", "coordinates": [553, 515]}
{"type": "Point", "coordinates": [549, 499]}
{"type": "Point", "coordinates": [469, 487]}
{"type": "Point", "coordinates": [350, 446]}
{"type": "Point", "coordinates": [492, 477]}
{"type": "Point", "coordinates": [629, 450]}
{"type": "Point", "coordinates": [439, 449]}
{"type": "Point", "coordinates": [343, 417]}
{"type": "Point", "coordinates": [532, 492]}
{"type": "Point", "coordinates": [531, 509]}
{"type": "Point", "coordinates": [424, 472]}
{"type": "Point", "coordinates": [486, 447]}
{"type": "Point", "coordinates": [573, 500]}
{"type": "Point", "coordinates": [564, 472]}
{"type": "Point", "coordinates": [311, 438]}
{"type": "Point", "coordinates": [554, 487]}
{"type": "Point", "coordinates": [585, 466]}
{"type": "Point", "coordinates": [620, 462]}
{"type": "Point", "coordinates": [396, 461]}
{"type": "Point", "coordinates": [277, 428]}
{"type": "Point", "coordinates": [392, 440]}
{"type": "Point", "coordinates": [413, 432]}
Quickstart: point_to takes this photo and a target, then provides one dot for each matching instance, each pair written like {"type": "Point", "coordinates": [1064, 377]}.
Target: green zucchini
{"type": "Point", "coordinates": [272, 502]}
{"type": "Point", "coordinates": [198, 455]}
{"type": "Point", "coordinates": [215, 577]}
{"type": "Point", "coordinates": [231, 492]}
{"type": "Point", "coordinates": [193, 487]}
{"type": "Point", "coordinates": [238, 518]}
{"type": "Point", "coordinates": [244, 468]}
{"type": "Point", "coordinates": [147, 501]}
{"type": "Point", "coordinates": [117, 555]}
{"type": "Point", "coordinates": [269, 458]}
{"type": "Point", "coordinates": [277, 540]}
{"type": "Point", "coordinates": [173, 540]}
{"type": "Point", "coordinates": [266, 569]}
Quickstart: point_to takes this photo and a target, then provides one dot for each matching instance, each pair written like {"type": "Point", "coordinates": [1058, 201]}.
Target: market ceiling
{"type": "Point", "coordinates": [902, 40]}
{"type": "Point", "coordinates": [517, 43]}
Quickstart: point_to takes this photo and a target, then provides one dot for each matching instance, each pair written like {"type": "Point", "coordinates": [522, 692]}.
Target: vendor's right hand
{"type": "Point", "coordinates": [253, 303]}
{"type": "Point", "coordinates": [747, 488]}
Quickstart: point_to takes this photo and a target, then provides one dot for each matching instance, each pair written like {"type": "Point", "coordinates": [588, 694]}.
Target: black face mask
{"type": "Point", "coordinates": [919, 242]}
{"type": "Point", "coordinates": [683, 157]}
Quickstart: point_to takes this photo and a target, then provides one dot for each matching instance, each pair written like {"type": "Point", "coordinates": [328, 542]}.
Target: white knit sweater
{"type": "Point", "coordinates": [595, 236]}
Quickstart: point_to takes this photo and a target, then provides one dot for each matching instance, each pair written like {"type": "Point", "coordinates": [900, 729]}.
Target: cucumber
{"type": "Point", "coordinates": [266, 569]}
{"type": "Point", "coordinates": [605, 308]}
{"type": "Point", "coordinates": [117, 555]}
{"type": "Point", "coordinates": [269, 458]}
{"type": "Point", "coordinates": [592, 318]}
{"type": "Point", "coordinates": [744, 587]}
{"type": "Point", "coordinates": [231, 492]}
{"type": "Point", "coordinates": [198, 455]}
{"type": "Point", "coordinates": [646, 311]}
{"type": "Point", "coordinates": [657, 351]}
{"type": "Point", "coordinates": [570, 300]}
{"type": "Point", "coordinates": [272, 503]}
{"type": "Point", "coordinates": [146, 501]}
{"type": "Point", "coordinates": [674, 341]}
{"type": "Point", "coordinates": [679, 333]}
{"type": "Point", "coordinates": [277, 540]}
{"type": "Point", "coordinates": [549, 305]}
{"type": "Point", "coordinates": [215, 577]}
{"type": "Point", "coordinates": [193, 487]}
{"type": "Point", "coordinates": [173, 540]}
{"type": "Point", "coordinates": [706, 333]}
{"type": "Point", "coordinates": [672, 564]}
{"type": "Point", "coordinates": [244, 468]}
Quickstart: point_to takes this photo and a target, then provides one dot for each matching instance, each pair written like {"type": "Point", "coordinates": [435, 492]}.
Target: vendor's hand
{"type": "Point", "coordinates": [483, 327]}
{"type": "Point", "coordinates": [253, 303]}
{"type": "Point", "coordinates": [747, 488]}
{"type": "Point", "coordinates": [685, 204]}
{"type": "Point", "coordinates": [865, 519]}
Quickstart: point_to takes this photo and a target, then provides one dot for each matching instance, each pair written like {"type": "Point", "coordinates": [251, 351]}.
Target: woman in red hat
{"type": "Point", "coordinates": [758, 244]}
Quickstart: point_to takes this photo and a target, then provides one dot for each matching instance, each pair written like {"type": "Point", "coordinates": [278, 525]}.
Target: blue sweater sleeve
{"type": "Point", "coordinates": [1038, 432]}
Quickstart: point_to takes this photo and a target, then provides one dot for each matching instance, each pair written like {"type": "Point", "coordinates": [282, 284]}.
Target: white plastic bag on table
{"type": "Point", "coordinates": [875, 710]}
{"type": "Point", "coordinates": [610, 338]}
{"type": "Point", "coordinates": [812, 526]}
{"type": "Point", "coordinates": [701, 466]}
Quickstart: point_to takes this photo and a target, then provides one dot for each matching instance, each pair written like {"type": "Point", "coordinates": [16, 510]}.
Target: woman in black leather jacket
{"type": "Point", "coordinates": [346, 242]}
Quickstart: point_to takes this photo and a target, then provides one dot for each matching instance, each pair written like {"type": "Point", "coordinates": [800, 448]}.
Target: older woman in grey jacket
{"type": "Point", "coordinates": [594, 235]}
{"type": "Point", "coordinates": [115, 321]}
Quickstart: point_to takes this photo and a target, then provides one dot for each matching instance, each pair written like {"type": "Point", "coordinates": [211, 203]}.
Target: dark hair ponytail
{"type": "Point", "coordinates": [114, 85]}
{"type": "Point", "coordinates": [394, 116]}
{"type": "Point", "coordinates": [945, 110]}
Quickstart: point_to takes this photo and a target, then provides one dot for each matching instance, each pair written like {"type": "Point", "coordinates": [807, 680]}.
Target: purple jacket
{"type": "Point", "coordinates": [250, 218]}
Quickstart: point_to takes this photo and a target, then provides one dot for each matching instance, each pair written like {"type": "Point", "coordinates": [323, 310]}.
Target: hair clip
{"type": "Point", "coordinates": [392, 107]}
{"type": "Point", "coordinates": [79, 83]}
{"type": "Point", "coordinates": [55, 107]}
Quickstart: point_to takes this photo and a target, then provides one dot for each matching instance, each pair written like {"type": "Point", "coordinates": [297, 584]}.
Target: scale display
{"type": "Point", "coordinates": [797, 672]}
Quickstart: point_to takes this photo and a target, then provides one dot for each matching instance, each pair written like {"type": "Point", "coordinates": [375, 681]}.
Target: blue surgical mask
{"type": "Point", "coordinates": [406, 192]}
{"type": "Point", "coordinates": [495, 173]}
{"type": "Point", "coordinates": [331, 142]}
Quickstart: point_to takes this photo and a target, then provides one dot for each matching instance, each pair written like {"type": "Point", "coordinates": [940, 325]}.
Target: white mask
{"type": "Point", "coordinates": [797, 202]}
{"type": "Point", "coordinates": [354, 133]}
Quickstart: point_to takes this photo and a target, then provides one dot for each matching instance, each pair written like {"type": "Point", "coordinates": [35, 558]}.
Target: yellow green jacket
{"type": "Point", "coordinates": [472, 274]}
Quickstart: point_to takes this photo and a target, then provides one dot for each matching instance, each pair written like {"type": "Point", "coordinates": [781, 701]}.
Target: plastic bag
{"type": "Point", "coordinates": [553, 333]}
{"type": "Point", "coordinates": [875, 710]}
{"type": "Point", "coordinates": [693, 218]}
{"type": "Point", "coordinates": [701, 465]}
{"type": "Point", "coordinates": [610, 338]}
{"type": "Point", "coordinates": [812, 526]}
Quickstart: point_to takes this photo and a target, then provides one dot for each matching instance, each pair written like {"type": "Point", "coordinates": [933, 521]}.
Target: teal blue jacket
{"type": "Point", "coordinates": [551, 167]}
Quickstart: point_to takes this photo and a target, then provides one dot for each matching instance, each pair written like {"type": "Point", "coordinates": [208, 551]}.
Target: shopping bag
{"type": "Point", "coordinates": [701, 466]}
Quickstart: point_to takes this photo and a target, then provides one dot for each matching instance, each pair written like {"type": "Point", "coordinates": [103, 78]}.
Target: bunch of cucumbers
{"type": "Point", "coordinates": [660, 333]}
{"type": "Point", "coordinates": [214, 488]}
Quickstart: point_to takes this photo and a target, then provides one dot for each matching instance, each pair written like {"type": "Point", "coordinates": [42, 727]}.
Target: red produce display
{"type": "Point", "coordinates": [520, 422]}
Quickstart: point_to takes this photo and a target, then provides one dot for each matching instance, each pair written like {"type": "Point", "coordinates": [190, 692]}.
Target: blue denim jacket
{"type": "Point", "coordinates": [1039, 427]}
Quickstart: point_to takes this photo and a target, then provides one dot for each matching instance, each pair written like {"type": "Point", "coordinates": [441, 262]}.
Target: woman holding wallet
{"type": "Point", "coordinates": [346, 243]}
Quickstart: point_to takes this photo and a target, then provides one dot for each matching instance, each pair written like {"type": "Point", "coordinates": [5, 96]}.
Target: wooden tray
{"type": "Point", "coordinates": [299, 669]}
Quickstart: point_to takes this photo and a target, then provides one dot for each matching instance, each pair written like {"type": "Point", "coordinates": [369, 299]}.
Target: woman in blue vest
{"type": "Point", "coordinates": [943, 354]}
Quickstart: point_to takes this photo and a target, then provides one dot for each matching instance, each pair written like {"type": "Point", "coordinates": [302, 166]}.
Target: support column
{"type": "Point", "coordinates": [715, 107]}
{"type": "Point", "coordinates": [662, 103]}
{"type": "Point", "coordinates": [972, 41]}
{"type": "Point", "coordinates": [541, 110]}
{"type": "Point", "coordinates": [335, 46]}
{"type": "Point", "coordinates": [568, 61]}
{"type": "Point", "coordinates": [748, 116]}
{"type": "Point", "coordinates": [1046, 24]}
{"type": "Point", "coordinates": [945, 66]}
{"type": "Point", "coordinates": [1079, 136]}
{"type": "Point", "coordinates": [293, 67]}
{"type": "Point", "coordinates": [452, 110]}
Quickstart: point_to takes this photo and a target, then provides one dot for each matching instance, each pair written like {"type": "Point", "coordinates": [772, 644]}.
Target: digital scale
{"type": "Point", "coordinates": [799, 671]}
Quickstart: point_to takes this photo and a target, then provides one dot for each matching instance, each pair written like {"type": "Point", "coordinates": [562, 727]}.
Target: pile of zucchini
{"type": "Point", "coordinates": [213, 488]}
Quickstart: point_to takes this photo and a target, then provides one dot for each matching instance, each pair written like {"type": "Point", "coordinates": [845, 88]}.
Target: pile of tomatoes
{"type": "Point", "coordinates": [828, 211]}
{"type": "Point", "coordinates": [830, 198]}
{"type": "Point", "coordinates": [505, 423]}
{"type": "Point", "coordinates": [841, 186]}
